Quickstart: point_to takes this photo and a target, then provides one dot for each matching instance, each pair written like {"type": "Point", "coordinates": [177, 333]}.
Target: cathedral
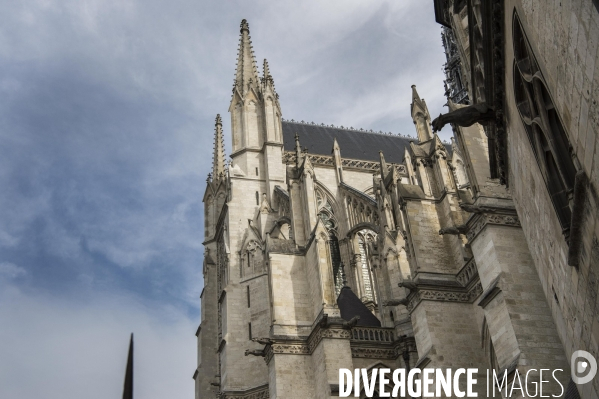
{"type": "Point", "coordinates": [329, 247]}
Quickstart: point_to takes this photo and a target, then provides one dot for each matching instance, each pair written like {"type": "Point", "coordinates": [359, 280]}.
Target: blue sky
{"type": "Point", "coordinates": [106, 123]}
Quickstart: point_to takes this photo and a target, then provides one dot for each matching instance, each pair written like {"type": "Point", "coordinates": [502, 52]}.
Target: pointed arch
{"type": "Point", "coordinates": [281, 229]}
{"type": "Point", "coordinates": [364, 240]}
{"type": "Point", "coordinates": [237, 126]}
{"type": "Point", "coordinates": [487, 345]}
{"type": "Point", "coordinates": [329, 196]}
{"type": "Point", "coordinates": [327, 209]}
{"type": "Point", "coordinates": [252, 119]}
{"type": "Point", "coordinates": [252, 258]}
{"type": "Point", "coordinates": [325, 205]}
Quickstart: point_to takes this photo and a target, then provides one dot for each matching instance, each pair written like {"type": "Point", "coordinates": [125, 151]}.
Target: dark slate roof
{"type": "Point", "coordinates": [350, 305]}
{"type": "Point", "coordinates": [354, 144]}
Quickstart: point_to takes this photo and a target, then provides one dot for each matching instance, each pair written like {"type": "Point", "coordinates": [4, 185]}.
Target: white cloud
{"type": "Point", "coordinates": [106, 116]}
{"type": "Point", "coordinates": [11, 271]}
{"type": "Point", "coordinates": [64, 350]}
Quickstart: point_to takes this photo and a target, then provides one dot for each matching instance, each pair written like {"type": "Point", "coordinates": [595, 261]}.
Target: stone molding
{"type": "Point", "coordinates": [301, 347]}
{"type": "Point", "coordinates": [380, 344]}
{"type": "Point", "coordinates": [289, 157]}
{"type": "Point", "coordinates": [260, 392]}
{"type": "Point", "coordinates": [389, 351]}
{"type": "Point", "coordinates": [479, 221]}
{"type": "Point", "coordinates": [448, 294]}
{"type": "Point", "coordinates": [373, 353]}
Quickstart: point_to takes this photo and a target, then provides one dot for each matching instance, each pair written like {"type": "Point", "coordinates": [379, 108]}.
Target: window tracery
{"type": "Point", "coordinates": [365, 239]}
{"type": "Point", "coordinates": [327, 215]}
{"type": "Point", "coordinates": [543, 126]}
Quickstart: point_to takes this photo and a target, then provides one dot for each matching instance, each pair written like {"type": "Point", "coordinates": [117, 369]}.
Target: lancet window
{"type": "Point", "coordinates": [326, 214]}
{"type": "Point", "coordinates": [543, 126]}
{"type": "Point", "coordinates": [221, 280]}
{"type": "Point", "coordinates": [365, 239]}
{"type": "Point", "coordinates": [252, 259]}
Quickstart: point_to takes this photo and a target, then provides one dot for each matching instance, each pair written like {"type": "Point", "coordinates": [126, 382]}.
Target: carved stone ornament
{"type": "Point", "coordinates": [445, 296]}
{"type": "Point", "coordinates": [290, 157]}
{"type": "Point", "coordinates": [465, 116]}
{"type": "Point", "coordinates": [373, 353]}
{"type": "Point", "coordinates": [265, 206]}
{"type": "Point", "coordinates": [483, 219]}
{"type": "Point", "coordinates": [299, 349]}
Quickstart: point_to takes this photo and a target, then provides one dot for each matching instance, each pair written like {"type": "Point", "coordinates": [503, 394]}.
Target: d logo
{"type": "Point", "coordinates": [583, 366]}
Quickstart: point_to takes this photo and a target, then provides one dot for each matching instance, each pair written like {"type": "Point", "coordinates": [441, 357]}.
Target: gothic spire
{"type": "Point", "coordinates": [246, 61]}
{"type": "Point", "coordinates": [417, 101]}
{"type": "Point", "coordinates": [128, 386]}
{"type": "Point", "coordinates": [421, 116]}
{"type": "Point", "coordinates": [415, 95]}
{"type": "Point", "coordinates": [218, 160]}
{"type": "Point", "coordinates": [266, 70]}
{"type": "Point", "coordinates": [267, 81]}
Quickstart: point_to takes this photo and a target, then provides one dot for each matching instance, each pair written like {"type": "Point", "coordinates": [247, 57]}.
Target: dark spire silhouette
{"type": "Point", "coordinates": [128, 387]}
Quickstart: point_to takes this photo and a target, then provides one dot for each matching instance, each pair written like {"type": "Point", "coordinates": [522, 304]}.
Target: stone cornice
{"type": "Point", "coordinates": [478, 221]}
{"type": "Point", "coordinates": [445, 294]}
{"type": "Point", "coordinates": [366, 342]}
{"type": "Point", "coordinates": [376, 350]}
{"type": "Point", "coordinates": [260, 392]}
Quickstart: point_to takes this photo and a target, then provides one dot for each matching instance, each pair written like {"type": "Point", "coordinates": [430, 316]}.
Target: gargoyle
{"type": "Point", "coordinates": [409, 284]}
{"type": "Point", "coordinates": [395, 302]}
{"type": "Point", "coordinates": [352, 322]}
{"type": "Point", "coordinates": [465, 116]}
{"type": "Point", "coordinates": [263, 341]}
{"type": "Point", "coordinates": [259, 352]}
{"type": "Point", "coordinates": [461, 229]}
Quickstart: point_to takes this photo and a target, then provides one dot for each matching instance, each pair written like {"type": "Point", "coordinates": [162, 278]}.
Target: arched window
{"type": "Point", "coordinates": [252, 261]}
{"type": "Point", "coordinates": [326, 214]}
{"type": "Point", "coordinates": [546, 134]}
{"type": "Point", "coordinates": [237, 128]}
{"type": "Point", "coordinates": [365, 239]}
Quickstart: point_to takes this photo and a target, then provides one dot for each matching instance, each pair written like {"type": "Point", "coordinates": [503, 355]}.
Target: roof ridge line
{"type": "Point", "coordinates": [352, 129]}
{"type": "Point", "coordinates": [360, 130]}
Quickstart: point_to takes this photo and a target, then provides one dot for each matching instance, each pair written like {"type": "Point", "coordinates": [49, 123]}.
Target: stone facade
{"type": "Point", "coordinates": [541, 60]}
{"type": "Point", "coordinates": [316, 261]}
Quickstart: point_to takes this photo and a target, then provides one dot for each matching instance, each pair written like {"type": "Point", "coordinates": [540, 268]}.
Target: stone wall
{"type": "Point", "coordinates": [564, 37]}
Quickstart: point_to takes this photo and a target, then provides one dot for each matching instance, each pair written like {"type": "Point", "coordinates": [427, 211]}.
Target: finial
{"type": "Point", "coordinates": [246, 61]}
{"type": "Point", "coordinates": [245, 26]}
{"type": "Point", "coordinates": [218, 156]}
{"type": "Point", "coordinates": [266, 69]}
